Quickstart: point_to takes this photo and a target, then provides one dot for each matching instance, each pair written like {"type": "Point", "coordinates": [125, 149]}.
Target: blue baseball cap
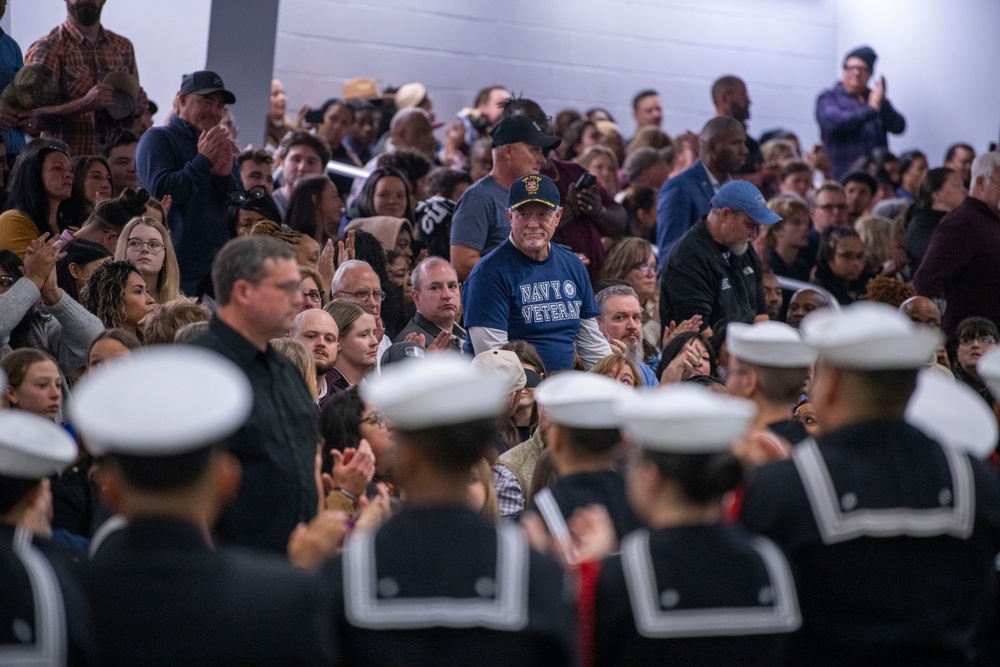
{"type": "Point", "coordinates": [533, 188]}
{"type": "Point", "coordinates": [741, 196]}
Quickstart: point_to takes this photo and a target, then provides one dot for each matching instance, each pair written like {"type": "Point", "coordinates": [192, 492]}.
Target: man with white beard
{"type": "Point", "coordinates": [713, 270]}
{"type": "Point", "coordinates": [621, 323]}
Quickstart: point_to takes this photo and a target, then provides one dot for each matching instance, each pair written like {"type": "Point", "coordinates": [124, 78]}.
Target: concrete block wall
{"type": "Point", "coordinates": [568, 53]}
{"type": "Point", "coordinates": [170, 38]}
{"type": "Point", "coordinates": [939, 56]}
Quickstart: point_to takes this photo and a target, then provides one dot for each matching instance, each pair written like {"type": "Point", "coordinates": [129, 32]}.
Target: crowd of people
{"type": "Point", "coordinates": [507, 388]}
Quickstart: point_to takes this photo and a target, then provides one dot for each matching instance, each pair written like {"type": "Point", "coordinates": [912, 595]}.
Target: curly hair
{"type": "Point", "coordinates": [104, 293]}
{"type": "Point", "coordinates": [885, 289]}
{"type": "Point", "coordinates": [274, 230]}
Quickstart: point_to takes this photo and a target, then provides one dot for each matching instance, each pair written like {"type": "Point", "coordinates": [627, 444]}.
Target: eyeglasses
{"type": "Point", "coordinates": [6, 282]}
{"type": "Point", "coordinates": [375, 419]}
{"type": "Point", "coordinates": [832, 207]}
{"type": "Point", "coordinates": [363, 295]}
{"type": "Point", "coordinates": [856, 69]}
{"type": "Point", "coordinates": [315, 295]}
{"type": "Point", "coordinates": [239, 197]}
{"type": "Point", "coordinates": [155, 247]}
{"type": "Point", "coordinates": [982, 340]}
{"type": "Point", "coordinates": [645, 269]}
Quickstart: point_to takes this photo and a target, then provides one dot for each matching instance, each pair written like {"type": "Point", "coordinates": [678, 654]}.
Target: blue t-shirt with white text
{"type": "Point", "coordinates": [541, 302]}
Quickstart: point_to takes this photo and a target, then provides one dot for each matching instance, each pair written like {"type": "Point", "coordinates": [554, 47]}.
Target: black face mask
{"type": "Point", "coordinates": [86, 15]}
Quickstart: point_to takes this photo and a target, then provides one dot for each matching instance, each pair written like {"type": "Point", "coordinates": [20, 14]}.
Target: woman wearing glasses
{"type": "Point", "coordinates": [146, 243]}
{"type": "Point", "coordinates": [840, 265]}
{"type": "Point", "coordinates": [631, 261]}
{"type": "Point", "coordinates": [976, 336]}
{"type": "Point", "coordinates": [349, 427]}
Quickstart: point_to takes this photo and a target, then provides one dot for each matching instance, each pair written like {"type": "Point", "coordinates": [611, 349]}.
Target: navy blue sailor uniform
{"type": "Point", "coordinates": [161, 595]}
{"type": "Point", "coordinates": [444, 586]}
{"type": "Point", "coordinates": [694, 595]}
{"type": "Point", "coordinates": [557, 503]}
{"type": "Point", "coordinates": [44, 619]}
{"type": "Point", "coordinates": [892, 537]}
{"type": "Point", "coordinates": [792, 430]}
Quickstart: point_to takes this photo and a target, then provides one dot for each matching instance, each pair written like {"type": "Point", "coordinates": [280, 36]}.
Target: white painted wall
{"type": "Point", "coordinates": [940, 63]}
{"type": "Point", "coordinates": [170, 37]}
{"type": "Point", "coordinates": [939, 55]}
{"type": "Point", "coordinates": [568, 53]}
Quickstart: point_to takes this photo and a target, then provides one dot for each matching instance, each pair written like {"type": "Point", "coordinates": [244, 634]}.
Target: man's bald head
{"type": "Point", "coordinates": [804, 302]}
{"type": "Point", "coordinates": [922, 310]}
{"type": "Point", "coordinates": [310, 318]}
{"type": "Point", "coordinates": [729, 95]}
{"type": "Point", "coordinates": [720, 126]}
{"type": "Point", "coordinates": [411, 129]}
{"type": "Point", "coordinates": [722, 144]}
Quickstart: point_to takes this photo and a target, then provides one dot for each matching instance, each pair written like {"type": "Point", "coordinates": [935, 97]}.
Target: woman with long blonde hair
{"type": "Point", "coordinates": [146, 243]}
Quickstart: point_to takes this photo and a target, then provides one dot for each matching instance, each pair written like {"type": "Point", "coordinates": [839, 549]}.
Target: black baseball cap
{"type": "Point", "coordinates": [205, 82]}
{"type": "Point", "coordinates": [515, 129]}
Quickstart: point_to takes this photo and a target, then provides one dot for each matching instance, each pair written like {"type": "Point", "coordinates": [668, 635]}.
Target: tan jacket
{"type": "Point", "coordinates": [521, 460]}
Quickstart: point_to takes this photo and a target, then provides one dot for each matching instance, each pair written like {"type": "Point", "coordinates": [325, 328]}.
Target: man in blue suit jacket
{"type": "Point", "coordinates": [685, 199]}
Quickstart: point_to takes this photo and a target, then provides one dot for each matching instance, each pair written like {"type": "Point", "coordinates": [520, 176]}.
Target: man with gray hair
{"type": "Point", "coordinates": [715, 271]}
{"type": "Point", "coordinates": [960, 266]}
{"type": "Point", "coordinates": [621, 323]}
{"type": "Point", "coordinates": [257, 284]}
{"type": "Point", "coordinates": [437, 298]}
{"type": "Point", "coordinates": [355, 280]}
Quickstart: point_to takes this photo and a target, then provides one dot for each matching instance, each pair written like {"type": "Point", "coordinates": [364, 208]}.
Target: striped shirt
{"type": "Point", "coordinates": [79, 66]}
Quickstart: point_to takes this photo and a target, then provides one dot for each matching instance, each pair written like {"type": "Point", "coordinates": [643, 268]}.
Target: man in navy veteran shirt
{"type": "Point", "coordinates": [531, 289]}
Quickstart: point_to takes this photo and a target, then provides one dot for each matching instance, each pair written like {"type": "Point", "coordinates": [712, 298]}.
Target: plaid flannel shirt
{"type": "Point", "coordinates": [79, 66]}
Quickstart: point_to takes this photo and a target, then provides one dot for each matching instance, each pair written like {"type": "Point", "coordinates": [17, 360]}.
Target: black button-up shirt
{"type": "Point", "coordinates": [276, 447]}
